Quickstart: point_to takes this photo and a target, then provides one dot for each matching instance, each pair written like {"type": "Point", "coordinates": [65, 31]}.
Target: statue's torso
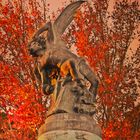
{"type": "Point", "coordinates": [55, 56]}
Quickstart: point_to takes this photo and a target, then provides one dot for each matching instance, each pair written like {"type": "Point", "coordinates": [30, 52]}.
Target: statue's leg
{"type": "Point", "coordinates": [86, 71]}
{"type": "Point", "coordinates": [69, 71]}
{"type": "Point", "coordinates": [68, 67]}
{"type": "Point", "coordinates": [73, 71]}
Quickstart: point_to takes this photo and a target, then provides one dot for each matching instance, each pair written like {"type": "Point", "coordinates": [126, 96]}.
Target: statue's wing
{"type": "Point", "coordinates": [65, 18]}
{"type": "Point", "coordinates": [61, 23]}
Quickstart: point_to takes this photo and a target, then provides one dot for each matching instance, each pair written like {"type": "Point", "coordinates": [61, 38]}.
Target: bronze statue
{"type": "Point", "coordinates": [57, 63]}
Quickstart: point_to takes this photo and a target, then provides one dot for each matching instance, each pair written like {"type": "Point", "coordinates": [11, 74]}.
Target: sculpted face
{"type": "Point", "coordinates": [37, 46]}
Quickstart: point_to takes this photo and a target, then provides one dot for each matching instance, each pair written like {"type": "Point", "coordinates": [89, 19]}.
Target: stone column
{"type": "Point", "coordinates": [66, 126]}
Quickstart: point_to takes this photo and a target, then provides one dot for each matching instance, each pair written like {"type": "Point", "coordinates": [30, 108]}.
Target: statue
{"type": "Point", "coordinates": [64, 77]}
{"type": "Point", "coordinates": [71, 72]}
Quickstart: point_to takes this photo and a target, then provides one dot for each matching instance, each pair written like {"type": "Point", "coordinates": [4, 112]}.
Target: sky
{"type": "Point", "coordinates": [55, 4]}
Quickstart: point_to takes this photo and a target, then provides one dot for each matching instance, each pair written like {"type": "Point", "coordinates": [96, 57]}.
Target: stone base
{"type": "Point", "coordinates": [66, 126]}
{"type": "Point", "coordinates": [69, 135]}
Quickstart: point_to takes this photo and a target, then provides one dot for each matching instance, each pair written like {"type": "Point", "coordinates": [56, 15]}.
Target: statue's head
{"type": "Point", "coordinates": [50, 34]}
{"type": "Point", "coordinates": [42, 38]}
{"type": "Point", "coordinates": [37, 46]}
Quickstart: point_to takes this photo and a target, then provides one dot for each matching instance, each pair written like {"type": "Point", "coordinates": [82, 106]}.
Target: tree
{"type": "Point", "coordinates": [104, 39]}
{"type": "Point", "coordinates": [104, 46]}
{"type": "Point", "coordinates": [22, 103]}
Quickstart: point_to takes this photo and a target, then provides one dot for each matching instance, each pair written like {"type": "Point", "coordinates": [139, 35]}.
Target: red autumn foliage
{"type": "Point", "coordinates": [105, 48]}
{"type": "Point", "coordinates": [22, 103]}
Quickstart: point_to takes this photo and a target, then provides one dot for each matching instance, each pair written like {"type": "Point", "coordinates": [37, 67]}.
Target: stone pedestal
{"type": "Point", "coordinates": [65, 126]}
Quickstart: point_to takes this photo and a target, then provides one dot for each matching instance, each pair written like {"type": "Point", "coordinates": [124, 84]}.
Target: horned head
{"type": "Point", "coordinates": [50, 33]}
